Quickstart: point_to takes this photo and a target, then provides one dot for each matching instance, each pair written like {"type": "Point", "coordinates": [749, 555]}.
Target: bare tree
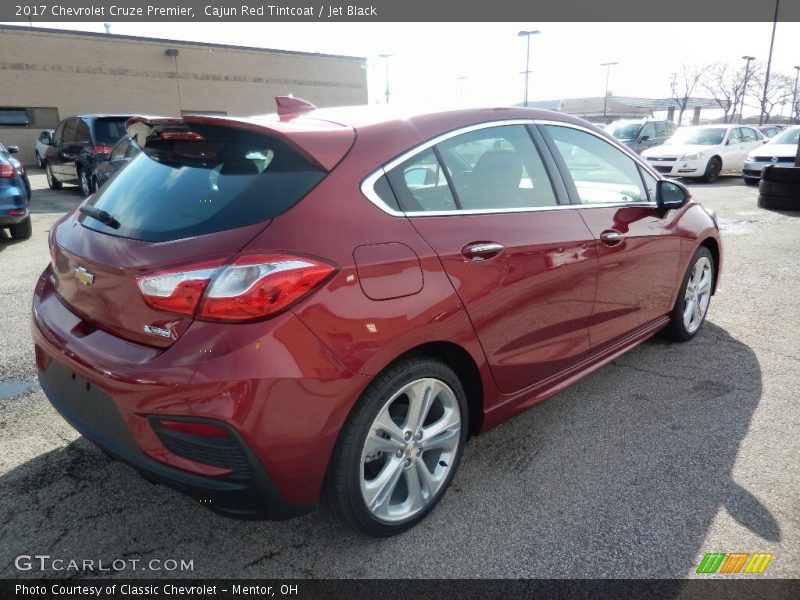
{"type": "Point", "coordinates": [684, 84]}
{"type": "Point", "coordinates": [727, 86]}
{"type": "Point", "coordinates": [779, 92]}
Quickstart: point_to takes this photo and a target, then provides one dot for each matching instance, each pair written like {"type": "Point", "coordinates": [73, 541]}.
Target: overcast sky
{"type": "Point", "coordinates": [428, 58]}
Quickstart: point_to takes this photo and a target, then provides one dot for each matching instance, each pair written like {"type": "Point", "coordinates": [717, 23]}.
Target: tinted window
{"type": "Point", "coordinates": [69, 131]}
{"type": "Point", "coordinates": [497, 168]}
{"type": "Point", "coordinates": [420, 184]}
{"type": "Point", "coordinates": [82, 132]}
{"type": "Point", "coordinates": [601, 172]}
{"type": "Point", "coordinates": [107, 131]}
{"type": "Point", "coordinates": [182, 188]}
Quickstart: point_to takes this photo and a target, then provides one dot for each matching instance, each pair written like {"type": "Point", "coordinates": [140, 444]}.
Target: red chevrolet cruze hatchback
{"type": "Point", "coordinates": [325, 304]}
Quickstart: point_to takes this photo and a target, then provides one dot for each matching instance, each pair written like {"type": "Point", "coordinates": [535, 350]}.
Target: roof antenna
{"type": "Point", "coordinates": [289, 105]}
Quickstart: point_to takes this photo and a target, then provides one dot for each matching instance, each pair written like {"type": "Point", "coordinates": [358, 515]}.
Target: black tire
{"type": "Point", "coordinates": [39, 160]}
{"type": "Point", "coordinates": [779, 202]}
{"type": "Point", "coordinates": [22, 230]}
{"type": "Point", "coordinates": [713, 169]}
{"type": "Point", "coordinates": [677, 330]}
{"type": "Point", "coordinates": [95, 184]}
{"type": "Point", "coordinates": [750, 181]}
{"type": "Point", "coordinates": [85, 183]}
{"type": "Point", "coordinates": [52, 180]}
{"type": "Point", "coordinates": [342, 490]}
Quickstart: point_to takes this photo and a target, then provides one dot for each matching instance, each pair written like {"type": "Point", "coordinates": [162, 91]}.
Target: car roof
{"type": "Point", "coordinates": [326, 134]}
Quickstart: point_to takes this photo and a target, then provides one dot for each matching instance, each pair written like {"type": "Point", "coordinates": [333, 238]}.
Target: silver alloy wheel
{"type": "Point", "coordinates": [698, 294]}
{"type": "Point", "coordinates": [410, 450]}
{"type": "Point", "coordinates": [85, 183]}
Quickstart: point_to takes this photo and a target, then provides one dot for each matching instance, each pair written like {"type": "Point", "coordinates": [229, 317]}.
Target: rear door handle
{"type": "Point", "coordinates": [610, 237]}
{"type": "Point", "coordinates": [478, 251]}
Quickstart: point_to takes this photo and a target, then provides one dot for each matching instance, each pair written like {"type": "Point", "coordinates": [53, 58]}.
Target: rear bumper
{"type": "Point", "coordinates": [6, 219]}
{"type": "Point", "coordinates": [279, 392]}
{"type": "Point", "coordinates": [93, 413]}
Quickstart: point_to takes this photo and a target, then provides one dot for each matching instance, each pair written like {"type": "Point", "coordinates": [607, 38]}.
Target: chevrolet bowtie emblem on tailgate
{"type": "Point", "coordinates": [84, 276]}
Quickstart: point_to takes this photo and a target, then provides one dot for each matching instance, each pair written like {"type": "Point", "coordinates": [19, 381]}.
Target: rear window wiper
{"type": "Point", "coordinates": [100, 215]}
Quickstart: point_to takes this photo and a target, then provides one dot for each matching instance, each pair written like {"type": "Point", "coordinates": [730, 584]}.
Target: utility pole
{"type": "Point", "coordinates": [795, 107]}
{"type": "Point", "coordinates": [769, 64]}
{"type": "Point", "coordinates": [386, 57]}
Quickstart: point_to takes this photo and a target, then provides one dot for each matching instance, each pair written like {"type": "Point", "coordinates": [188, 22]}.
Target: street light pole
{"type": "Point", "coordinates": [744, 87]}
{"type": "Point", "coordinates": [608, 66]}
{"type": "Point", "coordinates": [527, 35]}
{"type": "Point", "coordinates": [795, 106]}
{"type": "Point", "coordinates": [386, 57]}
{"type": "Point", "coordinates": [769, 64]}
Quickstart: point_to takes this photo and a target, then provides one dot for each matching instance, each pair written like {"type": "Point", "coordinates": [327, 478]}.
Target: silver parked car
{"type": "Point", "coordinates": [780, 150]}
{"type": "Point", "coordinates": [640, 134]}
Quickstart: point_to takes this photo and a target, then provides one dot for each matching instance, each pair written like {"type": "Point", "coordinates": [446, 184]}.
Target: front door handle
{"type": "Point", "coordinates": [611, 237]}
{"type": "Point", "coordinates": [478, 251]}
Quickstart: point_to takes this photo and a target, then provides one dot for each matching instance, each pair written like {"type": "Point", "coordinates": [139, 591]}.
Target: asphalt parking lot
{"type": "Point", "coordinates": [669, 452]}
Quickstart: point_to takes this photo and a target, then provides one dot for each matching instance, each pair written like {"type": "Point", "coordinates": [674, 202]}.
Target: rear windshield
{"type": "Point", "coordinates": [108, 131]}
{"type": "Point", "coordinates": [178, 188]}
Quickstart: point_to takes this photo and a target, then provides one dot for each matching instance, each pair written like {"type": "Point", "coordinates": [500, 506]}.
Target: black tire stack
{"type": "Point", "coordinates": [779, 188]}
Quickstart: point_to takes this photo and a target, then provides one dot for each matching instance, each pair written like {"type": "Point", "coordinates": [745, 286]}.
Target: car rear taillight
{"type": "Point", "coordinates": [16, 212]}
{"type": "Point", "coordinates": [101, 149]}
{"type": "Point", "coordinates": [7, 171]}
{"type": "Point", "coordinates": [250, 287]}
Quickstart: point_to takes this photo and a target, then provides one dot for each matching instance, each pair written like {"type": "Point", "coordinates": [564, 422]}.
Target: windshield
{"type": "Point", "coordinates": [790, 136]}
{"type": "Point", "coordinates": [701, 137]}
{"type": "Point", "coordinates": [624, 132]}
{"type": "Point", "coordinates": [217, 180]}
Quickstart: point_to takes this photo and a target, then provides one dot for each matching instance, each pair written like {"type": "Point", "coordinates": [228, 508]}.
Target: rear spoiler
{"type": "Point", "coordinates": [321, 142]}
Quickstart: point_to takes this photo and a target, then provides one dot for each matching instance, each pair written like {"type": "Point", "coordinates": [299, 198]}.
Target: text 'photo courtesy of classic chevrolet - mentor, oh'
{"type": "Point", "coordinates": [322, 305]}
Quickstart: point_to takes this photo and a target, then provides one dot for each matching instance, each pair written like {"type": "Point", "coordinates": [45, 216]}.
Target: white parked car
{"type": "Point", "coordinates": [705, 151]}
{"type": "Point", "coordinates": [780, 150]}
{"type": "Point", "coordinates": [44, 139]}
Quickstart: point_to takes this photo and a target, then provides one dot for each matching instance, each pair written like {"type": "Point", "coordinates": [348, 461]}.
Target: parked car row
{"type": "Point", "coordinates": [707, 151]}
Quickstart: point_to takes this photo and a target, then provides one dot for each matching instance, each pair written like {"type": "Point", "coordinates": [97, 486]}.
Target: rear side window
{"type": "Point", "coordinates": [108, 130]}
{"type": "Point", "coordinates": [223, 179]}
{"type": "Point", "coordinates": [82, 132]}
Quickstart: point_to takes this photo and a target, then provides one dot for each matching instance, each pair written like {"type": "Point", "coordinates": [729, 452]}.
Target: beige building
{"type": "Point", "coordinates": [47, 75]}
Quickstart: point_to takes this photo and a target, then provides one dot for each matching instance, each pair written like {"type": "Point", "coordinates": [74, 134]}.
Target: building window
{"type": "Point", "coordinates": [41, 117]}
{"type": "Point", "coordinates": [14, 117]}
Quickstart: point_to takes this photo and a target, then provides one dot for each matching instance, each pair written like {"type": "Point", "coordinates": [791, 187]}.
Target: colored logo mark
{"type": "Point", "coordinates": [734, 562]}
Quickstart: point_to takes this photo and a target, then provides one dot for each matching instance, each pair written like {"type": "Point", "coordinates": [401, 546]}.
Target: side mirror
{"type": "Point", "coordinates": [671, 194]}
{"type": "Point", "coordinates": [12, 149]}
{"type": "Point", "coordinates": [644, 138]}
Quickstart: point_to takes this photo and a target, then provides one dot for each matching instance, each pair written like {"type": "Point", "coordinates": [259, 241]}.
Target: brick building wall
{"type": "Point", "coordinates": [55, 74]}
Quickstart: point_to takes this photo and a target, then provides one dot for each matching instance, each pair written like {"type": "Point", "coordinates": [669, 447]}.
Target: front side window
{"type": "Point", "coordinates": [749, 135]}
{"type": "Point", "coordinates": [69, 131]}
{"type": "Point", "coordinates": [602, 174]}
{"type": "Point", "coordinates": [82, 132]}
{"type": "Point", "coordinates": [649, 131]}
{"type": "Point", "coordinates": [735, 136]}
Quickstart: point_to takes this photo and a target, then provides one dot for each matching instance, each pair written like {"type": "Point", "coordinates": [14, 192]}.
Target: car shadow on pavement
{"type": "Point", "coordinates": [620, 475]}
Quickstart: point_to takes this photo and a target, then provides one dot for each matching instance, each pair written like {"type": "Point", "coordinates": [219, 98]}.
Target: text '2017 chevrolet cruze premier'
{"type": "Point", "coordinates": [324, 304]}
